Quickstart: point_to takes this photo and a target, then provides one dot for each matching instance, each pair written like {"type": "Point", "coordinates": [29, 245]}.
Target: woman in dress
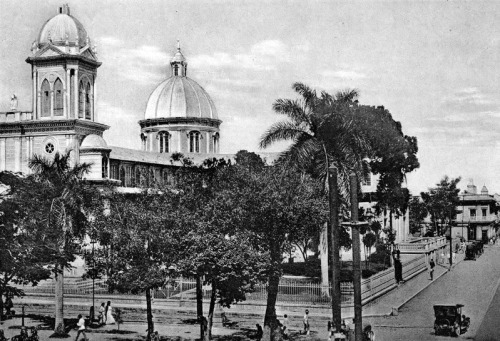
{"type": "Point", "coordinates": [109, 314]}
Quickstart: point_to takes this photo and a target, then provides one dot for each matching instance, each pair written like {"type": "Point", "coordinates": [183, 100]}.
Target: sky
{"type": "Point", "coordinates": [433, 64]}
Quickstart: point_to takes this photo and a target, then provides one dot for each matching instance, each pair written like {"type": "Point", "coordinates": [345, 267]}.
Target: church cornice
{"type": "Point", "coordinates": [62, 58]}
{"type": "Point", "coordinates": [77, 126]}
{"type": "Point", "coordinates": [151, 122]}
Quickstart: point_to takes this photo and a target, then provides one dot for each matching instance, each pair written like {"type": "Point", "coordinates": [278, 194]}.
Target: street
{"type": "Point", "coordinates": [471, 283]}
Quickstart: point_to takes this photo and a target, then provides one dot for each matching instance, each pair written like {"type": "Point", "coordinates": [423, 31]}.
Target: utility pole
{"type": "Point", "coordinates": [334, 252]}
{"type": "Point", "coordinates": [356, 260]}
{"type": "Point", "coordinates": [199, 305]}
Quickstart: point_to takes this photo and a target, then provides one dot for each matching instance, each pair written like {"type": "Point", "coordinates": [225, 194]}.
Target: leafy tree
{"type": "Point", "coordinates": [230, 265]}
{"type": "Point", "coordinates": [274, 204]}
{"type": "Point", "coordinates": [65, 220]}
{"type": "Point", "coordinates": [140, 234]}
{"type": "Point", "coordinates": [249, 159]}
{"type": "Point", "coordinates": [23, 258]}
{"type": "Point", "coordinates": [442, 202]}
{"type": "Point", "coordinates": [418, 212]}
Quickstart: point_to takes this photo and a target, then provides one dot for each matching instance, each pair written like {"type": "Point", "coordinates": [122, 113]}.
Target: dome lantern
{"type": "Point", "coordinates": [178, 63]}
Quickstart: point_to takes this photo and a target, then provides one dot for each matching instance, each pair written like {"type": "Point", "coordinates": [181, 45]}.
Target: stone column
{"type": "Point", "coordinates": [34, 78]}
{"type": "Point", "coordinates": [52, 103]}
{"type": "Point", "coordinates": [3, 161]}
{"type": "Point", "coordinates": [17, 154]}
{"type": "Point", "coordinates": [67, 94]}
{"type": "Point", "coordinates": [94, 100]}
{"type": "Point", "coordinates": [76, 92]}
{"type": "Point", "coordinates": [39, 104]}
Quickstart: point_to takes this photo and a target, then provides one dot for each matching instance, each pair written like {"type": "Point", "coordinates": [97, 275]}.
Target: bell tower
{"type": "Point", "coordinates": [64, 70]}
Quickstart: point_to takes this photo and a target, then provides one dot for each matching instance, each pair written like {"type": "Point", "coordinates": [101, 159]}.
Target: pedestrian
{"type": "Point", "coordinates": [8, 305]}
{"type": "Point", "coordinates": [306, 323]}
{"type": "Point", "coordinates": [368, 333]}
{"type": "Point", "coordinates": [109, 314]}
{"type": "Point", "coordinates": [155, 337]}
{"type": "Point", "coordinates": [102, 316]}
{"type": "Point", "coordinates": [431, 269]}
{"type": "Point", "coordinates": [260, 332]}
{"type": "Point", "coordinates": [81, 328]}
{"type": "Point", "coordinates": [285, 326]}
{"type": "Point", "coordinates": [398, 270]}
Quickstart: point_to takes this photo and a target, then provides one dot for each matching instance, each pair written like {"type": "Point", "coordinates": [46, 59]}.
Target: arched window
{"type": "Point", "coordinates": [45, 92]}
{"type": "Point", "coordinates": [88, 106]}
{"type": "Point", "coordinates": [194, 142]}
{"type": "Point", "coordinates": [58, 98]}
{"type": "Point", "coordinates": [104, 167]}
{"type": "Point", "coordinates": [152, 177]}
{"type": "Point", "coordinates": [122, 176]}
{"type": "Point", "coordinates": [81, 100]}
{"type": "Point", "coordinates": [163, 138]}
{"type": "Point", "coordinates": [137, 176]}
{"type": "Point", "coordinates": [215, 142]}
{"type": "Point", "coordinates": [176, 70]}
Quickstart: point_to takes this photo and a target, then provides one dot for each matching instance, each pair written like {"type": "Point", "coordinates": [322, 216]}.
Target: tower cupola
{"type": "Point", "coordinates": [178, 63]}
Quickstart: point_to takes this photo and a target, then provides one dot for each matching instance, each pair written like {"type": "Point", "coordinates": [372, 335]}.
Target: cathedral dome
{"type": "Point", "coordinates": [93, 141]}
{"type": "Point", "coordinates": [63, 28]}
{"type": "Point", "coordinates": [180, 97]}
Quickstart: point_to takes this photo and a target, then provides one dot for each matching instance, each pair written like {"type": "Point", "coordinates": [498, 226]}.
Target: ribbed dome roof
{"type": "Point", "coordinates": [180, 97]}
{"type": "Point", "coordinates": [63, 27]}
{"type": "Point", "coordinates": [93, 141]}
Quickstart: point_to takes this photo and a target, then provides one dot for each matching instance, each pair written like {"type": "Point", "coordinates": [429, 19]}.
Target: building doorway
{"type": "Point", "coordinates": [485, 236]}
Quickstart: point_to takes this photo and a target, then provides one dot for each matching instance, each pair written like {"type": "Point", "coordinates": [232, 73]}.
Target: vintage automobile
{"type": "Point", "coordinates": [449, 320]}
{"type": "Point", "coordinates": [470, 252]}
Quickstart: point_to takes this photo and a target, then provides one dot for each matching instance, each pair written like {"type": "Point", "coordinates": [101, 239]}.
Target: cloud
{"type": "Point", "coordinates": [145, 64]}
{"type": "Point", "coordinates": [469, 99]}
{"type": "Point", "coordinates": [344, 74]}
{"type": "Point", "coordinates": [264, 55]}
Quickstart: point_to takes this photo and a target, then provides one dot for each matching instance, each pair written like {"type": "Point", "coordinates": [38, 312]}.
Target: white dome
{"type": "Point", "coordinates": [180, 97]}
{"type": "Point", "coordinates": [93, 141]}
{"type": "Point", "coordinates": [61, 28]}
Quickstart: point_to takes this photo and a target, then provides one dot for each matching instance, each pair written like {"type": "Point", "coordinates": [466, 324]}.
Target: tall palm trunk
{"type": "Point", "coordinates": [59, 297]}
{"type": "Point", "coordinates": [149, 314]}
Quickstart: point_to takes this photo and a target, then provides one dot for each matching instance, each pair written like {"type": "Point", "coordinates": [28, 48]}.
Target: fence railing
{"type": "Point", "coordinates": [289, 292]}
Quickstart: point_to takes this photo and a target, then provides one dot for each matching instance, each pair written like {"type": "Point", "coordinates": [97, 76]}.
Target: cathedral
{"type": "Point", "coordinates": [180, 116]}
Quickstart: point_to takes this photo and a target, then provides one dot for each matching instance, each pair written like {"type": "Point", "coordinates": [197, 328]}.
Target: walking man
{"type": "Point", "coordinates": [431, 269]}
{"type": "Point", "coordinates": [81, 327]}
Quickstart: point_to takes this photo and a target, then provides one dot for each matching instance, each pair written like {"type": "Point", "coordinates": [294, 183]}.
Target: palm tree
{"type": "Point", "coordinates": [65, 216]}
{"type": "Point", "coordinates": [323, 132]}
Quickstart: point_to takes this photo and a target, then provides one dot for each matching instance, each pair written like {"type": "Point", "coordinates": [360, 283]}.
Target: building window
{"type": "Point", "coordinates": [472, 213]}
{"type": "Point", "coordinates": [137, 176]}
{"type": "Point", "coordinates": [176, 70]}
{"type": "Point", "coordinates": [215, 142]}
{"type": "Point", "coordinates": [104, 167]}
{"type": "Point", "coordinates": [88, 105]}
{"type": "Point", "coordinates": [484, 212]}
{"type": "Point", "coordinates": [58, 98]}
{"type": "Point", "coordinates": [45, 99]}
{"type": "Point", "coordinates": [122, 176]}
{"type": "Point", "coordinates": [49, 148]}
{"type": "Point", "coordinates": [81, 100]}
{"type": "Point", "coordinates": [194, 142]}
{"type": "Point", "coordinates": [367, 179]}
{"type": "Point", "coordinates": [164, 138]}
